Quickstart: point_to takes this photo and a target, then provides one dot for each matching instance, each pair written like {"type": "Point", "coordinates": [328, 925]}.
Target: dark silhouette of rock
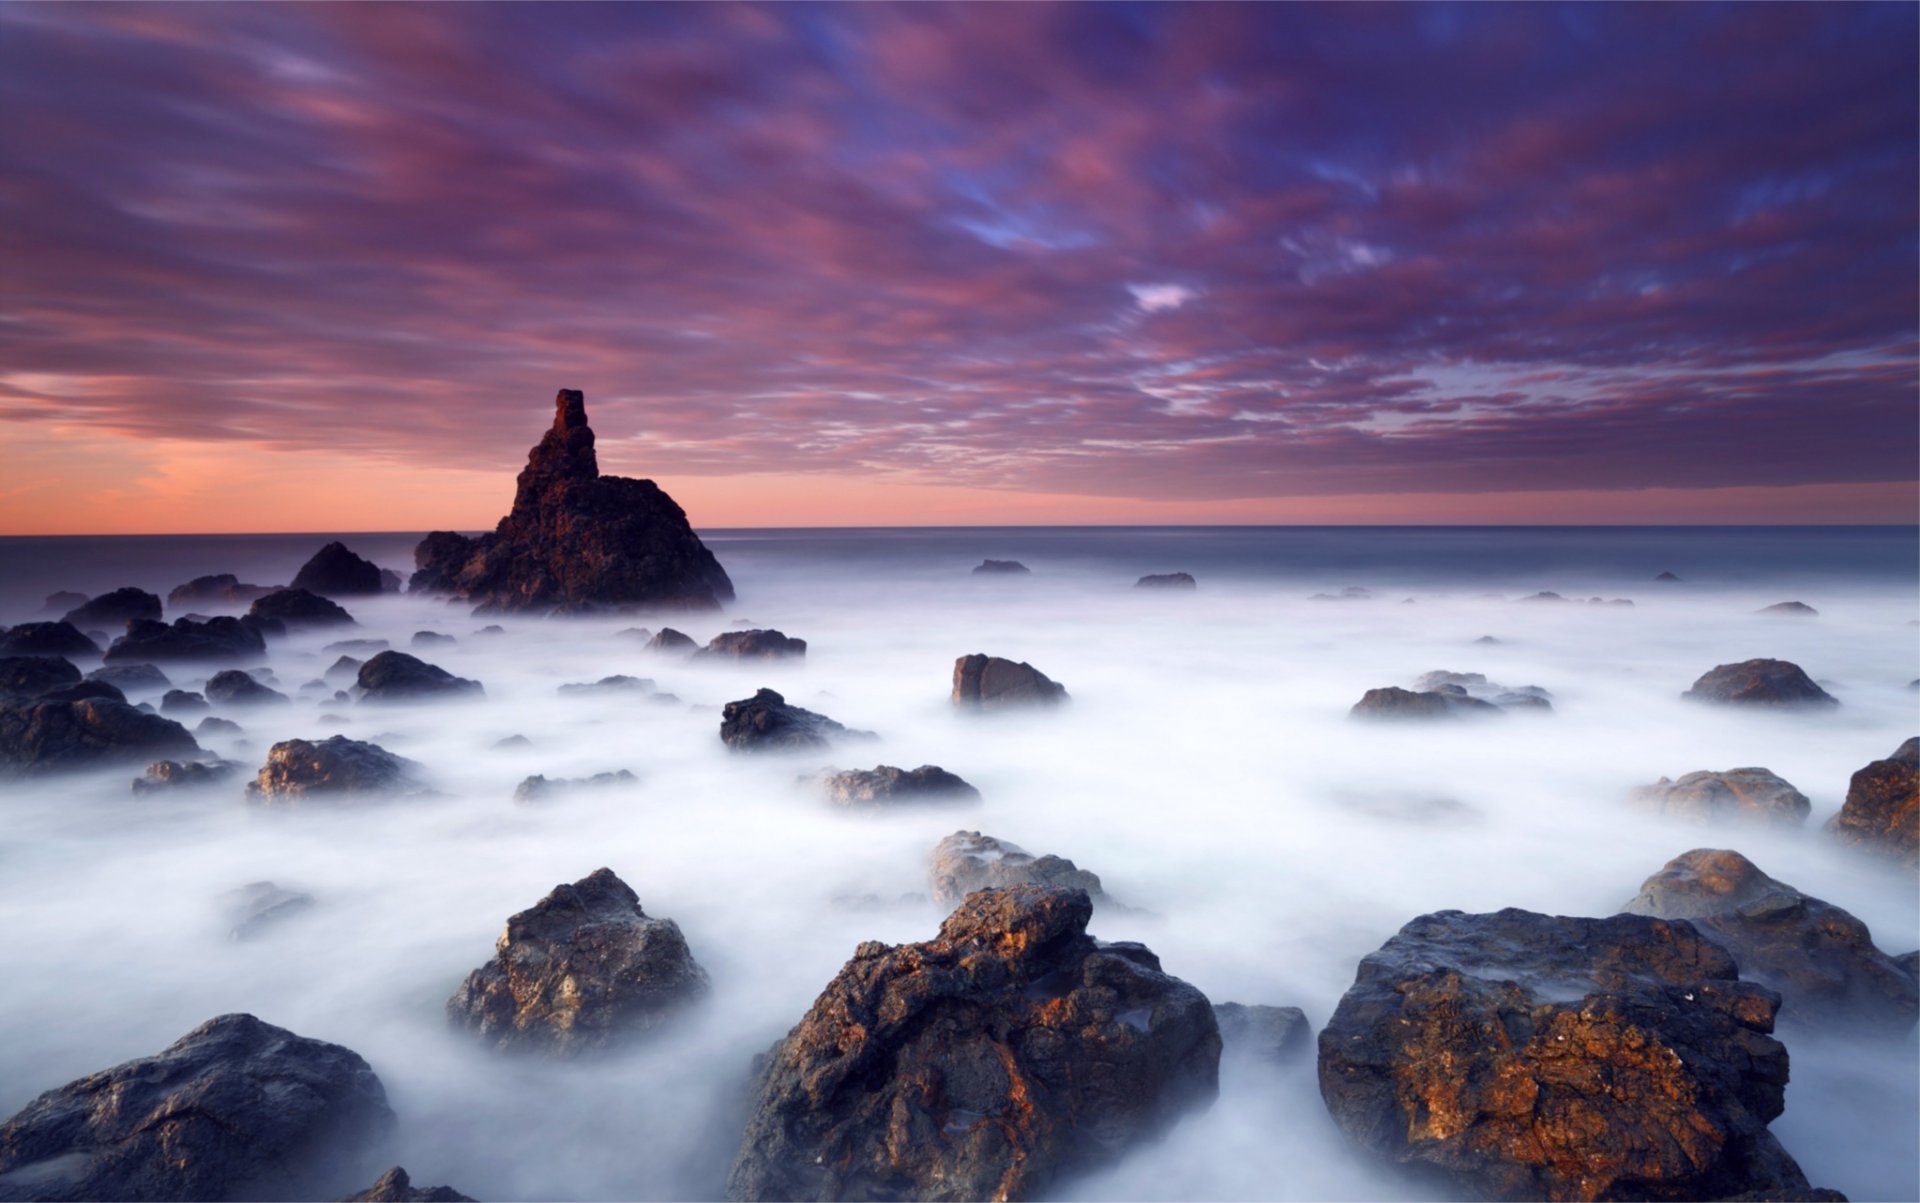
{"type": "Point", "coordinates": [765, 722]}
{"type": "Point", "coordinates": [82, 691]}
{"type": "Point", "coordinates": [967, 861]}
{"type": "Point", "coordinates": [1266, 1033]}
{"type": "Point", "coordinates": [295, 608]}
{"type": "Point", "coordinates": [391, 581]}
{"type": "Point", "coordinates": [577, 540]}
{"type": "Point", "coordinates": [1475, 685]}
{"type": "Point", "coordinates": [235, 1109]}
{"type": "Point", "coordinates": [670, 640]}
{"type": "Point", "coordinates": [183, 701]}
{"type": "Point", "coordinates": [538, 788]}
{"type": "Point", "coordinates": [512, 743]}
{"type": "Point", "coordinates": [62, 601]}
{"type": "Point", "coordinates": [336, 572]}
{"type": "Point", "coordinates": [356, 647]}
{"type": "Point", "coordinates": [1774, 683]}
{"type": "Point", "coordinates": [431, 639]}
{"type": "Point", "coordinates": [398, 677]}
{"type": "Point", "coordinates": [395, 1187]}
{"type": "Point", "coordinates": [114, 610]}
{"type": "Point", "coordinates": [755, 645]}
{"type": "Point", "coordinates": [1525, 1056]}
{"type": "Point", "coordinates": [217, 726]}
{"type": "Point", "coordinates": [1350, 593]}
{"type": "Point", "coordinates": [219, 589]}
{"type": "Point", "coordinates": [166, 776]}
{"type": "Point", "coordinates": [259, 905]}
{"type": "Point", "coordinates": [336, 768]}
{"type": "Point", "coordinates": [43, 735]}
{"type": "Point", "coordinates": [1749, 793]}
{"type": "Point", "coordinates": [131, 678]}
{"type": "Point", "coordinates": [231, 687]}
{"type": "Point", "coordinates": [1166, 580]}
{"type": "Point", "coordinates": [1882, 811]}
{"type": "Point", "coordinates": [1487, 641]}
{"type": "Point", "coordinates": [988, 682]}
{"type": "Point", "coordinates": [617, 683]}
{"type": "Point", "coordinates": [46, 639]}
{"type": "Point", "coordinates": [1820, 958]}
{"type": "Point", "coordinates": [1789, 609]}
{"type": "Point", "coordinates": [583, 969]}
{"type": "Point", "coordinates": [494, 628]}
{"type": "Point", "coordinates": [1395, 703]}
{"type": "Point", "coordinates": [221, 639]}
{"type": "Point", "coordinates": [886, 786]}
{"type": "Point", "coordinates": [31, 676]}
{"type": "Point", "coordinates": [1667, 578]}
{"type": "Point", "coordinates": [992, 1062]}
{"type": "Point", "coordinates": [345, 668]}
{"type": "Point", "coordinates": [1000, 568]}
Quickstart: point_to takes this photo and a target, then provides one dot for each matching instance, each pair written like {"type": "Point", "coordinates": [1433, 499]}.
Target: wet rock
{"type": "Point", "coordinates": [1789, 609]}
{"type": "Point", "coordinates": [989, 682]}
{"type": "Point", "coordinates": [336, 572]}
{"type": "Point", "coordinates": [670, 640]}
{"type": "Point", "coordinates": [296, 608]}
{"type": "Point", "coordinates": [62, 601]}
{"type": "Point", "coordinates": [1265, 1033]}
{"type": "Point", "coordinates": [235, 1109]}
{"type": "Point", "coordinates": [431, 639]}
{"type": "Point", "coordinates": [219, 589]}
{"type": "Point", "coordinates": [1166, 580]}
{"type": "Point", "coordinates": [577, 540]}
{"type": "Point", "coordinates": [1707, 797]}
{"type": "Point", "coordinates": [81, 691]}
{"type": "Point", "coordinates": [131, 678]}
{"type": "Point", "coordinates": [537, 788]}
{"type": "Point", "coordinates": [582, 970]}
{"type": "Point", "coordinates": [885, 786]}
{"type": "Point", "coordinates": [183, 701]}
{"type": "Point", "coordinates": [1820, 958]}
{"type": "Point", "coordinates": [1882, 811]}
{"type": "Point", "coordinates": [114, 610]}
{"type": "Point", "coordinates": [40, 736]}
{"type": "Point", "coordinates": [1394, 703]}
{"type": "Point", "coordinates": [755, 645]}
{"type": "Point", "coordinates": [46, 639]}
{"type": "Point", "coordinates": [765, 722]}
{"type": "Point", "coordinates": [967, 861]}
{"type": "Point", "coordinates": [166, 776]}
{"type": "Point", "coordinates": [258, 905]}
{"type": "Point", "coordinates": [395, 1187]}
{"type": "Point", "coordinates": [335, 768]}
{"type": "Point", "coordinates": [992, 1062]}
{"type": "Point", "coordinates": [398, 677]}
{"type": "Point", "coordinates": [1000, 568]}
{"type": "Point", "coordinates": [232, 687]}
{"type": "Point", "coordinates": [1773, 683]}
{"type": "Point", "coordinates": [31, 676]}
{"type": "Point", "coordinates": [1524, 1056]}
{"type": "Point", "coordinates": [356, 647]}
{"type": "Point", "coordinates": [212, 639]}
{"type": "Point", "coordinates": [605, 685]}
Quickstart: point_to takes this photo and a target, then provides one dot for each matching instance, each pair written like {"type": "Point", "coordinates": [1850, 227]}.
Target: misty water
{"type": "Point", "coordinates": [1206, 769]}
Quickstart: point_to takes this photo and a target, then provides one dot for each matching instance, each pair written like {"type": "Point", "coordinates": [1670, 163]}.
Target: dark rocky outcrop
{"type": "Point", "coordinates": [131, 678]}
{"type": "Point", "coordinates": [232, 687]}
{"type": "Point", "coordinates": [885, 786]}
{"type": "Point", "coordinates": [395, 1186]}
{"type": "Point", "coordinates": [217, 726]}
{"type": "Point", "coordinates": [1820, 958]}
{"type": "Point", "coordinates": [82, 691]}
{"type": "Point", "coordinates": [346, 668]}
{"type": "Point", "coordinates": [1475, 685]}
{"type": "Point", "coordinates": [1166, 580]}
{"type": "Point", "coordinates": [577, 540]}
{"type": "Point", "coordinates": [1789, 609]}
{"type": "Point", "coordinates": [397, 677]}
{"type": "Point", "coordinates": [235, 1109]}
{"type": "Point", "coordinates": [754, 645]}
{"type": "Point", "coordinates": [670, 640]}
{"type": "Point", "coordinates": [1524, 1056]}
{"type": "Point", "coordinates": [335, 571]}
{"type": "Point", "coordinates": [988, 682]}
{"type": "Point", "coordinates": [259, 905]}
{"type": "Point", "coordinates": [1396, 704]}
{"type": "Point", "coordinates": [356, 647]}
{"type": "Point", "coordinates": [967, 861]}
{"type": "Point", "coordinates": [183, 701]}
{"type": "Point", "coordinates": [1000, 568]}
{"type": "Point", "coordinates": [992, 1062]}
{"type": "Point", "coordinates": [222, 588]}
{"type": "Point", "coordinates": [113, 611]}
{"type": "Point", "coordinates": [296, 608]}
{"type": "Point", "coordinates": [46, 639]}
{"type": "Point", "coordinates": [1704, 797]}
{"type": "Point", "coordinates": [31, 676]}
{"type": "Point", "coordinates": [583, 969]}
{"type": "Point", "coordinates": [431, 639]}
{"type": "Point", "coordinates": [337, 768]}
{"type": "Point", "coordinates": [220, 639]}
{"type": "Point", "coordinates": [765, 722]}
{"type": "Point", "coordinates": [1264, 1033]}
{"type": "Point", "coordinates": [1773, 683]}
{"type": "Point", "coordinates": [43, 735]}
{"type": "Point", "coordinates": [538, 788]}
{"type": "Point", "coordinates": [1882, 811]}
{"type": "Point", "coordinates": [166, 776]}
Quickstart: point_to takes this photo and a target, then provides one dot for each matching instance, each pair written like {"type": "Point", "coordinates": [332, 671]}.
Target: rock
{"type": "Point", "coordinates": [215, 639]}
{"type": "Point", "coordinates": [637, 634]}
{"type": "Point", "coordinates": [1882, 811]}
{"type": "Point", "coordinates": [398, 677]}
{"type": "Point", "coordinates": [1266, 1033]}
{"type": "Point", "coordinates": [1524, 1056]}
{"type": "Point", "coordinates": [346, 667]}
{"type": "Point", "coordinates": [576, 539]}
{"type": "Point", "coordinates": [992, 1062]}
{"type": "Point", "coordinates": [1000, 568]}
{"type": "Point", "coordinates": [218, 726]}
{"type": "Point", "coordinates": [183, 701]}
{"type": "Point", "coordinates": [114, 610]}
{"type": "Point", "coordinates": [31, 676]}
{"type": "Point", "coordinates": [82, 691]}
{"type": "Point", "coordinates": [40, 735]}
{"type": "Point", "coordinates": [336, 768]}
{"type": "Point", "coordinates": [967, 861]}
{"type": "Point", "coordinates": [765, 722]}
{"type": "Point", "coordinates": [1544, 596]}
{"type": "Point", "coordinates": [982, 682]}
{"type": "Point", "coordinates": [1668, 578]}
{"type": "Point", "coordinates": [258, 905]}
{"type": "Point", "coordinates": [886, 786]}
{"type": "Point", "coordinates": [755, 645]}
{"type": "Point", "coordinates": [395, 1187]}
{"type": "Point", "coordinates": [232, 687]}
{"type": "Point", "coordinates": [1820, 958]}
{"type": "Point", "coordinates": [336, 572]}
{"type": "Point", "coordinates": [1396, 704]}
{"type": "Point", "coordinates": [166, 776]}
{"type": "Point", "coordinates": [583, 970]}
{"type": "Point", "coordinates": [61, 602]}
{"type": "Point", "coordinates": [235, 1109]}
{"type": "Point", "coordinates": [1166, 580]}
{"type": "Point", "coordinates": [1475, 685]}
{"type": "Point", "coordinates": [356, 647]}
{"type": "Point", "coordinates": [134, 678]}
{"type": "Point", "coordinates": [670, 640]}
{"type": "Point", "coordinates": [46, 639]}
{"type": "Point", "coordinates": [1350, 593]}
{"type": "Point", "coordinates": [1487, 641]}
{"type": "Point", "coordinates": [512, 743]}
{"type": "Point", "coordinates": [1789, 609]}
{"type": "Point", "coordinates": [613, 684]}
{"type": "Point", "coordinates": [1759, 683]}
{"type": "Point", "coordinates": [299, 608]}
{"type": "Point", "coordinates": [431, 639]}
{"type": "Point", "coordinates": [1706, 797]}
{"type": "Point", "coordinates": [537, 788]}
{"type": "Point", "coordinates": [221, 588]}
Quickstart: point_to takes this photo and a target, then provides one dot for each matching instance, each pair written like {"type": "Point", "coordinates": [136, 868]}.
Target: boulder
{"type": "Point", "coordinates": [115, 610]}
{"type": "Point", "coordinates": [335, 768]}
{"type": "Point", "coordinates": [992, 1062]}
{"type": "Point", "coordinates": [82, 691]}
{"type": "Point", "coordinates": [1789, 609]}
{"type": "Point", "coordinates": [1394, 703]}
{"type": "Point", "coordinates": [398, 677]}
{"type": "Point", "coordinates": [1882, 811]}
{"type": "Point", "coordinates": [1166, 580]}
{"type": "Point", "coordinates": [982, 682]}
{"type": "Point", "coordinates": [131, 678]}
{"type": "Point", "coordinates": [183, 701]}
{"type": "Point", "coordinates": [395, 1187]}
{"type": "Point", "coordinates": [755, 645]}
{"type": "Point", "coordinates": [1000, 568]}
{"type": "Point", "coordinates": [222, 727]}
{"type": "Point", "coordinates": [1525, 1056]}
{"type": "Point", "coordinates": [165, 776]}
{"type": "Point", "coordinates": [1775, 683]}
{"type": "Point", "coordinates": [356, 647]}
{"type": "Point", "coordinates": [1820, 958]}
{"type": "Point", "coordinates": [235, 1109]}
{"type": "Point", "coordinates": [617, 683]}
{"type": "Point", "coordinates": [214, 639]}
{"type": "Point", "coordinates": [258, 905]}
{"type": "Point", "coordinates": [31, 676]}
{"type": "Point", "coordinates": [886, 786]}
{"type": "Point", "coordinates": [219, 589]}
{"type": "Point", "coordinates": [346, 668]}
{"type": "Point", "coordinates": [494, 628]}
{"type": "Point", "coordinates": [1264, 1033]}
{"type": "Point", "coordinates": [582, 970]}
{"type": "Point", "coordinates": [967, 861]}
{"type": "Point", "coordinates": [335, 571]}
{"type": "Point", "coordinates": [46, 639]}
{"type": "Point", "coordinates": [431, 639]}
{"type": "Point", "coordinates": [62, 601]}
{"type": "Point", "coordinates": [577, 540]}
{"type": "Point", "coordinates": [1707, 797]}
{"type": "Point", "coordinates": [765, 722]}
{"type": "Point", "coordinates": [296, 608]}
{"type": "Point", "coordinates": [231, 687]}
{"type": "Point", "coordinates": [1475, 685]}
{"type": "Point", "coordinates": [538, 788]}
{"type": "Point", "coordinates": [39, 736]}
{"type": "Point", "coordinates": [670, 640]}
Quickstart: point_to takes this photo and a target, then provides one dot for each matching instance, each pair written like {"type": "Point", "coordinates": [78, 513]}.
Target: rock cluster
{"type": "Point", "coordinates": [1882, 811]}
{"type": "Point", "coordinates": [1770, 683]}
{"type": "Point", "coordinates": [46, 639]}
{"type": "Point", "coordinates": [165, 776]}
{"type": "Point", "coordinates": [31, 676]}
{"type": "Point", "coordinates": [884, 786]}
{"type": "Point", "coordinates": [296, 607]}
{"type": "Point", "coordinates": [1395, 703]}
{"type": "Point", "coordinates": [114, 610]}
{"type": "Point", "coordinates": [44, 735]}
{"type": "Point", "coordinates": [967, 861]}
{"type": "Point", "coordinates": [755, 645]}
{"type": "Point", "coordinates": [1476, 685]}
{"type": "Point", "coordinates": [765, 722]}
{"type": "Point", "coordinates": [989, 682]}
{"type": "Point", "coordinates": [539, 788]}
{"type": "Point", "coordinates": [213, 639]}
{"type": "Point", "coordinates": [1705, 797]}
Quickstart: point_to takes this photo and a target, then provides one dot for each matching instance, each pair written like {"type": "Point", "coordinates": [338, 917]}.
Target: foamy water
{"type": "Point", "coordinates": [1206, 769]}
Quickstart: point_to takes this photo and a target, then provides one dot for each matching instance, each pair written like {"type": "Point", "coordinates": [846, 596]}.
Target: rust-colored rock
{"type": "Point", "coordinates": [1750, 794]}
{"type": "Point", "coordinates": [1882, 812]}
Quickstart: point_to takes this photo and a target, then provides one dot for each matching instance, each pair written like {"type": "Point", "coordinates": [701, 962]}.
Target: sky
{"type": "Point", "coordinates": [280, 267]}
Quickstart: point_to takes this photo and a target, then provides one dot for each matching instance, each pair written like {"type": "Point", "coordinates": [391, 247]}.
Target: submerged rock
{"type": "Point", "coordinates": [31, 676]}
{"type": "Point", "coordinates": [967, 861]}
{"type": "Point", "coordinates": [46, 639]}
{"type": "Point", "coordinates": [220, 588]}
{"type": "Point", "coordinates": [233, 687]}
{"type": "Point", "coordinates": [1264, 1033]}
{"type": "Point", "coordinates": [1882, 811]}
{"type": "Point", "coordinates": [39, 736]}
{"type": "Point", "coordinates": [134, 678]}
{"type": "Point", "coordinates": [670, 640]}
{"type": "Point", "coordinates": [397, 677]}
{"type": "Point", "coordinates": [235, 1109]}
{"type": "Point", "coordinates": [114, 610]}
{"type": "Point", "coordinates": [765, 722]}
{"type": "Point", "coordinates": [258, 905]}
{"type": "Point", "coordinates": [982, 682]}
{"type": "Point", "coordinates": [538, 788]}
{"type": "Point", "coordinates": [1166, 580]}
{"type": "Point", "coordinates": [1396, 703]}
{"type": "Point", "coordinates": [1667, 578]}
{"type": "Point", "coordinates": [82, 691]}
{"type": "Point", "coordinates": [583, 969]}
{"type": "Point", "coordinates": [166, 776]}
{"type": "Point", "coordinates": [1704, 797]}
{"type": "Point", "coordinates": [1777, 683]}
{"type": "Point", "coordinates": [885, 786]}
{"type": "Point", "coordinates": [576, 539]}
{"type": "Point", "coordinates": [356, 647]}
{"type": "Point", "coordinates": [431, 639]}
{"type": "Point", "coordinates": [755, 645]}
{"type": "Point", "coordinates": [1524, 1056]}
{"type": "Point", "coordinates": [337, 768]}
{"type": "Point", "coordinates": [336, 572]}
{"type": "Point", "coordinates": [395, 1186]}
{"type": "Point", "coordinates": [295, 608]}
{"type": "Point", "coordinates": [212, 639]}
{"type": "Point", "coordinates": [1000, 568]}
{"type": "Point", "coordinates": [183, 701]}
{"type": "Point", "coordinates": [217, 726]}
{"type": "Point", "coordinates": [345, 668]}
{"type": "Point", "coordinates": [618, 683]}
{"type": "Point", "coordinates": [60, 602]}
{"type": "Point", "coordinates": [1476, 686]}
{"type": "Point", "coordinates": [1789, 609]}
{"type": "Point", "coordinates": [992, 1062]}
